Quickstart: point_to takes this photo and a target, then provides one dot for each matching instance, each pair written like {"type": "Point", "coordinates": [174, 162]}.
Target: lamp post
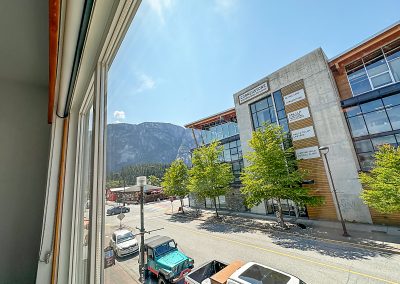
{"type": "Point", "coordinates": [324, 151]}
{"type": "Point", "coordinates": [141, 182]}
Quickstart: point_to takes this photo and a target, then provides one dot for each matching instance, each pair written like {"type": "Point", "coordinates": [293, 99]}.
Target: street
{"type": "Point", "coordinates": [313, 261]}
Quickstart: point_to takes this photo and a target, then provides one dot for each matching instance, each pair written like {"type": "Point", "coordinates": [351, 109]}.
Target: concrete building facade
{"type": "Point", "coordinates": [305, 101]}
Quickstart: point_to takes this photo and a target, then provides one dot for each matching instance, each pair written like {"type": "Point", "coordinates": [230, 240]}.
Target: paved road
{"type": "Point", "coordinates": [313, 261]}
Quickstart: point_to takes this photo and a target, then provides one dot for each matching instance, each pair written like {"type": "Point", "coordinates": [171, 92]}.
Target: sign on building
{"type": "Point", "coordinates": [303, 133]}
{"type": "Point", "coordinates": [307, 153]}
{"type": "Point", "coordinates": [298, 114]}
{"type": "Point", "coordinates": [294, 97]}
{"type": "Point", "coordinates": [262, 88]}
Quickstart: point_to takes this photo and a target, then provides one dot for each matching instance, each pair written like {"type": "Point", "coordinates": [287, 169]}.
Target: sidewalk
{"type": "Point", "coordinates": [378, 237]}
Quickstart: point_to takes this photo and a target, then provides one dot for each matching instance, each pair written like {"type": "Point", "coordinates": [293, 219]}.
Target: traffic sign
{"type": "Point", "coordinates": [121, 216]}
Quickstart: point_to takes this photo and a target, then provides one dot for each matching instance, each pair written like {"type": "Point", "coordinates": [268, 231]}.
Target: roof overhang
{"type": "Point", "coordinates": [363, 48]}
{"type": "Point", "coordinates": [224, 115]}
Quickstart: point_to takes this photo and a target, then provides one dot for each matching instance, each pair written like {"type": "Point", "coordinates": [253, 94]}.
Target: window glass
{"type": "Point", "coordinates": [86, 187]}
{"type": "Point", "coordinates": [352, 111]}
{"type": "Point", "coordinates": [392, 100]}
{"type": "Point", "coordinates": [376, 66]}
{"type": "Point", "coordinates": [363, 146]}
{"type": "Point", "coordinates": [398, 138]}
{"type": "Point", "coordinates": [371, 106]}
{"type": "Point", "coordinates": [377, 122]}
{"type": "Point", "coordinates": [394, 116]}
{"type": "Point", "coordinates": [358, 80]}
{"type": "Point", "coordinates": [278, 100]}
{"type": "Point", "coordinates": [269, 99]}
{"type": "Point", "coordinates": [379, 141]}
{"type": "Point", "coordinates": [263, 116]}
{"type": "Point", "coordinates": [281, 114]}
{"type": "Point", "coordinates": [381, 80]}
{"type": "Point", "coordinates": [257, 274]}
{"type": "Point", "coordinates": [284, 124]}
{"type": "Point", "coordinates": [260, 105]}
{"type": "Point", "coordinates": [357, 126]}
{"type": "Point", "coordinates": [366, 161]}
{"type": "Point", "coordinates": [395, 68]}
{"type": "Point", "coordinates": [255, 121]}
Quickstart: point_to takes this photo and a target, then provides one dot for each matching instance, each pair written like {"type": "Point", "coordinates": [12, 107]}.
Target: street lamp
{"type": "Point", "coordinates": [141, 182]}
{"type": "Point", "coordinates": [325, 150]}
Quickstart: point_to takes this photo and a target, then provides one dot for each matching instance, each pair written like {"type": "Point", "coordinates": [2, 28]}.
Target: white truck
{"type": "Point", "coordinates": [216, 272]}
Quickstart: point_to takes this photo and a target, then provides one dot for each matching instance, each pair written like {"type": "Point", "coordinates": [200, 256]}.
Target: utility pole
{"type": "Point", "coordinates": [141, 182]}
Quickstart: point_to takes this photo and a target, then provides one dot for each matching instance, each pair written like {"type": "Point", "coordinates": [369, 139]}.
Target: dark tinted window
{"type": "Point", "coordinates": [256, 274]}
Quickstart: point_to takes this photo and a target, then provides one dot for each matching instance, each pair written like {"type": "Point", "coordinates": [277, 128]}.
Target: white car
{"type": "Point", "coordinates": [124, 243]}
{"type": "Point", "coordinates": [255, 273]}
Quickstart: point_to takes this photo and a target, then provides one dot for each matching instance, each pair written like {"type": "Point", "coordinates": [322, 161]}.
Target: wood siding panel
{"type": "Point", "coordinates": [392, 219]}
{"type": "Point", "coordinates": [314, 167]}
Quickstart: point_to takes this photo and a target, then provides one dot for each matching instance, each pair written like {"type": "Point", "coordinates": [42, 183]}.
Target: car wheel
{"type": "Point", "coordinates": [161, 280]}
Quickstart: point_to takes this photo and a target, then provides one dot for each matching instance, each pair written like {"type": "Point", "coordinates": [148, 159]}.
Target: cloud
{"type": "Point", "coordinates": [145, 82]}
{"type": "Point", "coordinates": [119, 114]}
{"type": "Point", "coordinates": [225, 6]}
{"type": "Point", "coordinates": [159, 7]}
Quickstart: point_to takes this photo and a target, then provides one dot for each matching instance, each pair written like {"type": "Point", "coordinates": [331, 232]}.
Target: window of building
{"type": "Point", "coordinates": [377, 69]}
{"type": "Point", "coordinates": [370, 125]}
{"type": "Point", "coordinates": [262, 111]}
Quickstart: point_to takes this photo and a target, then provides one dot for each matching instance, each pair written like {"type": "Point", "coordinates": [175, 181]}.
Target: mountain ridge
{"type": "Point", "coordinates": [146, 142]}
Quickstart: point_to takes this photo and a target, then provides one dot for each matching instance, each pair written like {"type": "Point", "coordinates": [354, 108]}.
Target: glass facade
{"type": "Point", "coordinates": [373, 124]}
{"type": "Point", "coordinates": [263, 111]}
{"type": "Point", "coordinates": [218, 131]}
{"type": "Point", "coordinates": [233, 154]}
{"type": "Point", "coordinates": [378, 69]}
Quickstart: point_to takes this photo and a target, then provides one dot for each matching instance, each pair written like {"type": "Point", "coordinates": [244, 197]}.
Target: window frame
{"type": "Point", "coordinates": [389, 70]}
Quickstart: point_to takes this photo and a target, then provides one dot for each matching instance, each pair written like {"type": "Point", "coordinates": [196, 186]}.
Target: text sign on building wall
{"type": "Point", "coordinates": [303, 133]}
{"type": "Point", "coordinates": [253, 92]}
{"type": "Point", "coordinates": [294, 97]}
{"type": "Point", "coordinates": [298, 114]}
{"type": "Point", "coordinates": [307, 153]}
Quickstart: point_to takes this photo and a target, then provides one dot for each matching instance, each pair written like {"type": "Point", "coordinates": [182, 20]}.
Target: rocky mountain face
{"type": "Point", "coordinates": [148, 142]}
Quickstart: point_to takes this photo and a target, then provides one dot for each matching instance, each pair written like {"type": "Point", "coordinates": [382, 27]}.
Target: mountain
{"type": "Point", "coordinates": [148, 142]}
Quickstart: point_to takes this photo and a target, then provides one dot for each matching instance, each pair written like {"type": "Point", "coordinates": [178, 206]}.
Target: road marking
{"type": "Point", "coordinates": [288, 255]}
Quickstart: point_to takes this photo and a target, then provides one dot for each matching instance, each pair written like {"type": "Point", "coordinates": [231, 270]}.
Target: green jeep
{"type": "Point", "coordinates": [165, 261]}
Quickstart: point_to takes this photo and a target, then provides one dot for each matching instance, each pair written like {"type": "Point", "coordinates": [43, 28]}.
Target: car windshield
{"type": "Point", "coordinates": [125, 237]}
{"type": "Point", "coordinates": [164, 248]}
{"type": "Point", "coordinates": [257, 274]}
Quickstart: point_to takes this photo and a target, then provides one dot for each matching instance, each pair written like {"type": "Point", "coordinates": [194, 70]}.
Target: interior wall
{"type": "Point", "coordinates": [24, 150]}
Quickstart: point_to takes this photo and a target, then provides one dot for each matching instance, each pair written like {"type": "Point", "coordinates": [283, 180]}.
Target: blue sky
{"type": "Point", "coordinates": [183, 60]}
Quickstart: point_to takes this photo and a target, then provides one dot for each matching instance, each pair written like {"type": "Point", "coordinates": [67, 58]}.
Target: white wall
{"type": "Point", "coordinates": [24, 147]}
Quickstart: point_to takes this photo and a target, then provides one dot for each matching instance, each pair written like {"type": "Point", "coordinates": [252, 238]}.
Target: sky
{"type": "Point", "coordinates": [182, 60]}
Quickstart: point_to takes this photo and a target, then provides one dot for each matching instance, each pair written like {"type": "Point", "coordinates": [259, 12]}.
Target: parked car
{"type": "Point", "coordinates": [117, 210]}
{"type": "Point", "coordinates": [124, 243]}
{"type": "Point", "coordinates": [239, 273]}
{"type": "Point", "coordinates": [165, 261]}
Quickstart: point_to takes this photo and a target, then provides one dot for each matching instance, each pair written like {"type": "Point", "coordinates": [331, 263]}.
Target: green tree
{"type": "Point", "coordinates": [272, 172]}
{"type": "Point", "coordinates": [382, 183]}
{"type": "Point", "coordinates": [153, 180]}
{"type": "Point", "coordinates": [175, 181]}
{"type": "Point", "coordinates": [209, 177]}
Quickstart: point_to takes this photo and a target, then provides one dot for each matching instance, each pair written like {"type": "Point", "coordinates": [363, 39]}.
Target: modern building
{"type": "Point", "coordinates": [368, 81]}
{"type": "Point", "coordinates": [222, 127]}
{"type": "Point", "coordinates": [350, 104]}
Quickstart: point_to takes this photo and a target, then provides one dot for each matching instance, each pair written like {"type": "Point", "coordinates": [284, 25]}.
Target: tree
{"type": "Point", "coordinates": [272, 172]}
{"type": "Point", "coordinates": [382, 183]}
{"type": "Point", "coordinates": [209, 177]}
{"type": "Point", "coordinates": [153, 180]}
{"type": "Point", "coordinates": [175, 180]}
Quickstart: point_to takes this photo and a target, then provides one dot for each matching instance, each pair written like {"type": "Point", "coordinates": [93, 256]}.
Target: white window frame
{"type": "Point", "coordinates": [108, 25]}
{"type": "Point", "coordinates": [370, 77]}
